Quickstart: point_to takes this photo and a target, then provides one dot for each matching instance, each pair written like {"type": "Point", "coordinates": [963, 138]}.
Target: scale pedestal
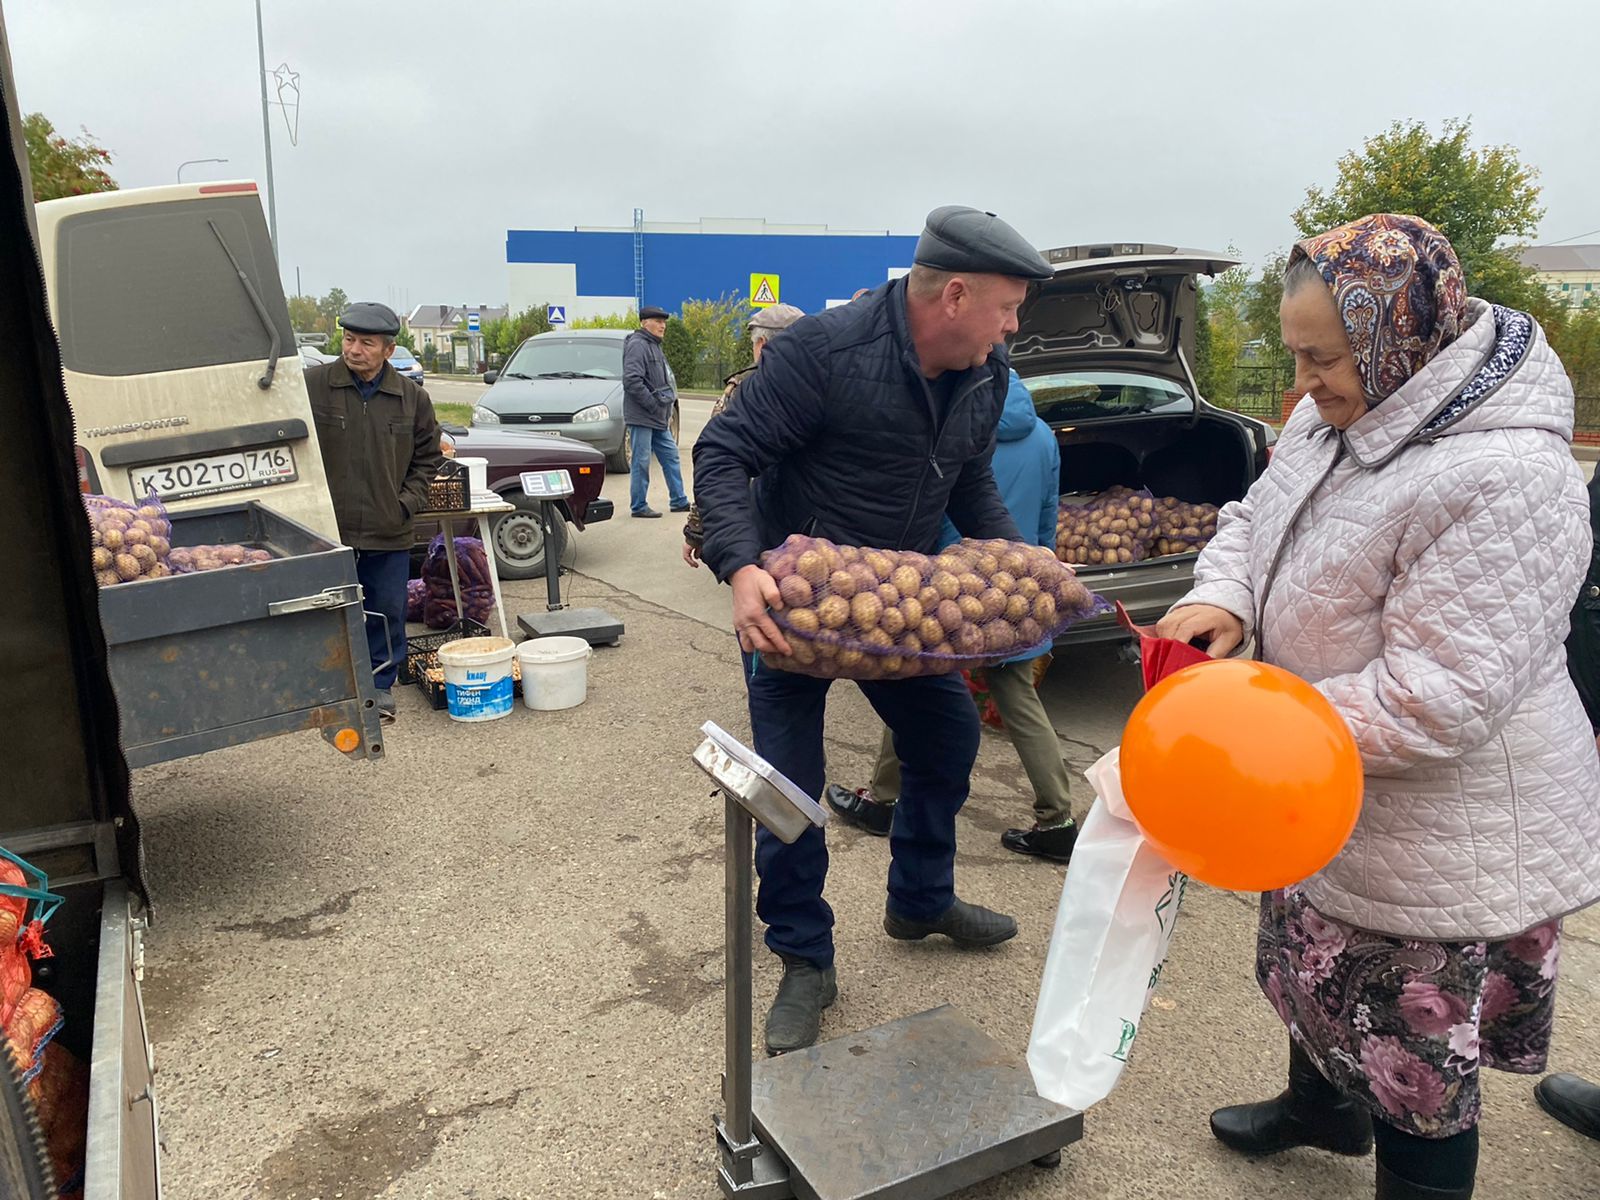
{"type": "Point", "coordinates": [911, 1110]}
{"type": "Point", "coordinates": [593, 625]}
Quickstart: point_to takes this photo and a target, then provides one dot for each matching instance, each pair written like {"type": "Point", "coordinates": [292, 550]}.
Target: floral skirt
{"type": "Point", "coordinates": [1403, 1026]}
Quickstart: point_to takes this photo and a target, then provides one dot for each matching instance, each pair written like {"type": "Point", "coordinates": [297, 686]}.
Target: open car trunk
{"type": "Point", "coordinates": [1208, 462]}
{"type": "Point", "coordinates": [66, 806]}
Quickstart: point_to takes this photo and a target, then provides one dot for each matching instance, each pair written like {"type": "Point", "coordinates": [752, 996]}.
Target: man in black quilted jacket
{"type": "Point", "coordinates": [865, 425]}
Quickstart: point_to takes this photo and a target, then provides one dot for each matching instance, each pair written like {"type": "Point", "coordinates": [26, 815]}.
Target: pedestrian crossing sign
{"type": "Point", "coordinates": [763, 291]}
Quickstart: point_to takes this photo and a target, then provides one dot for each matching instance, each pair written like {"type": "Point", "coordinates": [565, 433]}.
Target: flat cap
{"type": "Point", "coordinates": [651, 313]}
{"type": "Point", "coordinates": [368, 316]}
{"type": "Point", "coordinates": [776, 316]}
{"type": "Point", "coordinates": [958, 238]}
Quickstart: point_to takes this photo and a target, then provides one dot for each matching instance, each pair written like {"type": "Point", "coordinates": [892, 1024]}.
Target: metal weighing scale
{"type": "Point", "coordinates": [593, 625]}
{"type": "Point", "coordinates": [912, 1110]}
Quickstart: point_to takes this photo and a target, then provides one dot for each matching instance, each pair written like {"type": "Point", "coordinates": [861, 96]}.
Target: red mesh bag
{"type": "Point", "coordinates": [853, 613]}
{"type": "Point", "coordinates": [128, 542]}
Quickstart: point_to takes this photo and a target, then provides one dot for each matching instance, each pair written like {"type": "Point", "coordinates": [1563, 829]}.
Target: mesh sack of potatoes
{"type": "Point", "coordinates": [852, 613]}
{"type": "Point", "coordinates": [1181, 527]}
{"type": "Point", "coordinates": [1105, 529]}
{"type": "Point", "coordinates": [187, 560]}
{"type": "Point", "coordinates": [128, 542]}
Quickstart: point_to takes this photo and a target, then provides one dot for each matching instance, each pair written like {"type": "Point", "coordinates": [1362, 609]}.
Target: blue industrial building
{"type": "Point", "coordinates": [593, 272]}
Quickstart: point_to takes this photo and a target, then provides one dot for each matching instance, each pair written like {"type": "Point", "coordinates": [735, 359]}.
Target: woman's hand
{"type": "Point", "coordinates": [754, 592]}
{"type": "Point", "coordinates": [1223, 631]}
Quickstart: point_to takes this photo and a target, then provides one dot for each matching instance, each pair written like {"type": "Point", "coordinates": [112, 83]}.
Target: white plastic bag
{"type": "Point", "coordinates": [1112, 931]}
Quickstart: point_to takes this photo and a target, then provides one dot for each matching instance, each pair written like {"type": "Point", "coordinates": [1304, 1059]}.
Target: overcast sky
{"type": "Point", "coordinates": [1197, 122]}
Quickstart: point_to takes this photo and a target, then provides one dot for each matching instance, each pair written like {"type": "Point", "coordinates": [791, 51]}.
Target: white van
{"type": "Point", "coordinates": [181, 367]}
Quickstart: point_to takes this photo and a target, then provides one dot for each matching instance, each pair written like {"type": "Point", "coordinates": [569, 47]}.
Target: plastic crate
{"type": "Point", "coordinates": [422, 651]}
{"type": "Point", "coordinates": [451, 489]}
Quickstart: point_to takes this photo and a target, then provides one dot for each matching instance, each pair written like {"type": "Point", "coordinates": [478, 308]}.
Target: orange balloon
{"type": "Point", "coordinates": [1241, 774]}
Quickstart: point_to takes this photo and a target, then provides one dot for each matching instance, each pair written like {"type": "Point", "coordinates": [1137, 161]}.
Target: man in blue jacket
{"type": "Point", "coordinates": [865, 425]}
{"type": "Point", "coordinates": [647, 402]}
{"type": "Point", "coordinates": [1027, 470]}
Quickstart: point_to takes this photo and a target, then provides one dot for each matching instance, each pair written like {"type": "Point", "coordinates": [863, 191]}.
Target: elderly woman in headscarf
{"type": "Point", "coordinates": [1413, 551]}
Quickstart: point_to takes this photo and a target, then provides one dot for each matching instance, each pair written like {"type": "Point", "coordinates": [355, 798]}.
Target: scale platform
{"type": "Point", "coordinates": [915, 1109]}
{"type": "Point", "coordinates": [593, 625]}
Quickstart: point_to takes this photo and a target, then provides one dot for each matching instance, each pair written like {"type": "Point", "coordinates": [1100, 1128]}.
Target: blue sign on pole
{"type": "Point", "coordinates": [473, 323]}
{"type": "Point", "coordinates": [557, 313]}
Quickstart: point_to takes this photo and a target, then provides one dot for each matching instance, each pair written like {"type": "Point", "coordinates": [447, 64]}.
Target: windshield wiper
{"type": "Point", "coordinates": [265, 382]}
{"type": "Point", "coordinates": [514, 375]}
{"type": "Point", "coordinates": [559, 375]}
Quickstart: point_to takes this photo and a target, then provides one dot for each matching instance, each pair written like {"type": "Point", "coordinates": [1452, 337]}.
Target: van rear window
{"type": "Point", "coordinates": [147, 288]}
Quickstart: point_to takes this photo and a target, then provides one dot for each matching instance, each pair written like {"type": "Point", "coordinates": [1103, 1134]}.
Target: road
{"type": "Point", "coordinates": [491, 967]}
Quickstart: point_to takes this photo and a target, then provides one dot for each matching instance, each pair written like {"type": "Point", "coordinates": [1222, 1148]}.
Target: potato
{"type": "Point", "coordinates": [850, 659]}
{"type": "Point", "coordinates": [163, 547]}
{"type": "Point", "coordinates": [1028, 587]}
{"type": "Point", "coordinates": [158, 571]}
{"type": "Point", "coordinates": [998, 637]}
{"type": "Point", "coordinates": [833, 612]}
{"type": "Point", "coordinates": [1044, 609]}
{"type": "Point", "coordinates": [127, 567]}
{"type": "Point", "coordinates": [1005, 581]}
{"type": "Point", "coordinates": [949, 616]}
{"type": "Point", "coordinates": [802, 652]}
{"type": "Point", "coordinates": [946, 584]}
{"type": "Point", "coordinates": [913, 611]}
{"type": "Point", "coordinates": [101, 558]}
{"type": "Point", "coordinates": [1012, 562]}
{"type": "Point", "coordinates": [796, 592]}
{"type": "Point", "coordinates": [987, 565]}
{"type": "Point", "coordinates": [803, 620]}
{"type": "Point", "coordinates": [781, 566]}
{"type": "Point", "coordinates": [906, 581]}
{"type": "Point", "coordinates": [144, 556]}
{"type": "Point", "coordinates": [931, 631]}
{"type": "Point", "coordinates": [943, 650]}
{"type": "Point", "coordinates": [866, 579]}
{"type": "Point", "coordinates": [992, 602]}
{"type": "Point", "coordinates": [929, 597]}
{"type": "Point", "coordinates": [877, 638]}
{"type": "Point", "coordinates": [893, 622]}
{"type": "Point", "coordinates": [812, 567]}
{"type": "Point", "coordinates": [842, 583]}
{"type": "Point", "coordinates": [950, 563]}
{"type": "Point", "coordinates": [917, 562]}
{"type": "Point", "coordinates": [971, 608]}
{"type": "Point", "coordinates": [107, 578]}
{"type": "Point", "coordinates": [888, 595]}
{"type": "Point", "coordinates": [866, 610]}
{"type": "Point", "coordinates": [882, 564]}
{"type": "Point", "coordinates": [971, 584]}
{"type": "Point", "coordinates": [848, 554]}
{"type": "Point", "coordinates": [968, 640]}
{"type": "Point", "coordinates": [911, 643]}
{"type": "Point", "coordinates": [233, 555]}
{"type": "Point", "coordinates": [894, 666]}
{"type": "Point", "coordinates": [1017, 607]}
{"type": "Point", "coordinates": [111, 538]}
{"type": "Point", "coordinates": [1029, 632]}
{"type": "Point", "coordinates": [830, 555]}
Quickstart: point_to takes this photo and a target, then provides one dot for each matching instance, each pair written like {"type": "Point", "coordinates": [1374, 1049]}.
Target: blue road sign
{"type": "Point", "coordinates": [473, 324]}
{"type": "Point", "coordinates": [557, 313]}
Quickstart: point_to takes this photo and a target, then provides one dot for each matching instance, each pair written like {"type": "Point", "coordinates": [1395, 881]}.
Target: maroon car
{"type": "Point", "coordinates": [518, 538]}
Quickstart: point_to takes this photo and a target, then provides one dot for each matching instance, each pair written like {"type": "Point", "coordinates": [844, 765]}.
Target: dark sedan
{"type": "Point", "coordinates": [518, 538]}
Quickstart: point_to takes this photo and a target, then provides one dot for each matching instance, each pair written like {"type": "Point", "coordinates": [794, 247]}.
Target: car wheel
{"type": "Point", "coordinates": [520, 544]}
{"type": "Point", "coordinates": [621, 462]}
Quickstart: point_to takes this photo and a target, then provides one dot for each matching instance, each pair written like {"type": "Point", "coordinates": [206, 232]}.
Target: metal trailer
{"type": "Point", "coordinates": [220, 658]}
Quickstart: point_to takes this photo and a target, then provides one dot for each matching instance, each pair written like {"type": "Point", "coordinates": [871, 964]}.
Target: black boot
{"type": "Point", "coordinates": [795, 1018]}
{"type": "Point", "coordinates": [1573, 1101]}
{"type": "Point", "coordinates": [967, 925]}
{"type": "Point", "coordinates": [1392, 1187]}
{"type": "Point", "coordinates": [861, 809]}
{"type": "Point", "coordinates": [1055, 843]}
{"type": "Point", "coordinates": [1312, 1112]}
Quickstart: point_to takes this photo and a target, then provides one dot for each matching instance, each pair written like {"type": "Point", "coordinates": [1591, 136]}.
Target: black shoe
{"type": "Point", "coordinates": [795, 1018]}
{"type": "Point", "coordinates": [1392, 1187]}
{"type": "Point", "coordinates": [680, 508]}
{"type": "Point", "coordinates": [1311, 1113]}
{"type": "Point", "coordinates": [967, 925]}
{"type": "Point", "coordinates": [1055, 844]}
{"type": "Point", "coordinates": [858, 808]}
{"type": "Point", "coordinates": [647, 512]}
{"type": "Point", "coordinates": [1573, 1101]}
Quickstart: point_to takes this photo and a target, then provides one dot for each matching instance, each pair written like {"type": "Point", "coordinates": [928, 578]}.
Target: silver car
{"type": "Point", "coordinates": [567, 382]}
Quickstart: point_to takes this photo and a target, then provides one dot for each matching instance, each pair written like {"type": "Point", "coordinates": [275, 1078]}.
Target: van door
{"type": "Point", "coordinates": [181, 367]}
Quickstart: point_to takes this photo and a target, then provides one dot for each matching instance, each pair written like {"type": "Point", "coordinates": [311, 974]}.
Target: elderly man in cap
{"type": "Point", "coordinates": [380, 448]}
{"type": "Point", "coordinates": [647, 402]}
{"type": "Point", "coordinates": [767, 322]}
{"type": "Point", "coordinates": [866, 424]}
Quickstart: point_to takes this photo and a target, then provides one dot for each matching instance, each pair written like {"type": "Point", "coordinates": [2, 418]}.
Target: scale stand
{"type": "Point", "coordinates": [593, 625]}
{"type": "Point", "coordinates": [911, 1110]}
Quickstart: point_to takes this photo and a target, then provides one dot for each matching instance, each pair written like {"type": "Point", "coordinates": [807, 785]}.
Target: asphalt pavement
{"type": "Point", "coordinates": [491, 966]}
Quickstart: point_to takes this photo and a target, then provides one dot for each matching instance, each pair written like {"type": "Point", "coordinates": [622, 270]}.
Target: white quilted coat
{"type": "Point", "coordinates": [1420, 570]}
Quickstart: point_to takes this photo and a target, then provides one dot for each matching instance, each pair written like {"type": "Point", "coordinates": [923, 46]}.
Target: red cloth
{"type": "Point", "coordinates": [1160, 656]}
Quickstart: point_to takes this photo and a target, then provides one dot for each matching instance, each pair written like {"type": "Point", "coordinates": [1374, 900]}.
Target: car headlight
{"type": "Point", "coordinates": [484, 416]}
{"type": "Point", "coordinates": [595, 412]}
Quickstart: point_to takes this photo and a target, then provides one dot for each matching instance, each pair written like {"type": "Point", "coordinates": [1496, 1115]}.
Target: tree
{"type": "Point", "coordinates": [677, 343]}
{"type": "Point", "coordinates": [713, 327]}
{"type": "Point", "coordinates": [1204, 365]}
{"type": "Point", "coordinates": [1479, 198]}
{"type": "Point", "coordinates": [303, 315]}
{"type": "Point", "coordinates": [627, 320]}
{"type": "Point", "coordinates": [64, 166]}
{"type": "Point", "coordinates": [1226, 330]}
{"type": "Point", "coordinates": [1575, 336]}
{"type": "Point", "coordinates": [520, 328]}
{"type": "Point", "coordinates": [331, 307]}
{"type": "Point", "coordinates": [1261, 312]}
{"type": "Point", "coordinates": [407, 339]}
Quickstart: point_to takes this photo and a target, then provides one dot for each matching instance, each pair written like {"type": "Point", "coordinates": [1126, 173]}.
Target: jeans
{"type": "Point", "coordinates": [1035, 740]}
{"type": "Point", "coordinates": [935, 726]}
{"type": "Point", "coordinates": [383, 575]}
{"type": "Point", "coordinates": [643, 441]}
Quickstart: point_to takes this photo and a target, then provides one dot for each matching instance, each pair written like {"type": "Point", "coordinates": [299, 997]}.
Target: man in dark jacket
{"type": "Point", "coordinates": [380, 449]}
{"type": "Point", "coordinates": [647, 402]}
{"type": "Point", "coordinates": [1571, 1099]}
{"type": "Point", "coordinates": [865, 425]}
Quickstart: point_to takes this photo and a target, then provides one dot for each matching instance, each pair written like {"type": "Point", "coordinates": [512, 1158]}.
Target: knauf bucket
{"type": "Point", "coordinates": [477, 677]}
{"type": "Point", "coordinates": [477, 474]}
{"type": "Point", "coordinates": [555, 672]}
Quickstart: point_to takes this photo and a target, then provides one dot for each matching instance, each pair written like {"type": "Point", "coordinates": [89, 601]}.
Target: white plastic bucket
{"type": "Point", "coordinates": [555, 672]}
{"type": "Point", "coordinates": [477, 677]}
{"type": "Point", "coordinates": [477, 474]}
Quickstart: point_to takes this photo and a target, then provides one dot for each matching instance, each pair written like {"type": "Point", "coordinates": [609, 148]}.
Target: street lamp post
{"type": "Point", "coordinates": [191, 162]}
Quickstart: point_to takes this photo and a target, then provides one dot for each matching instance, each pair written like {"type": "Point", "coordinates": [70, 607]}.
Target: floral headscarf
{"type": "Point", "coordinates": [1399, 290]}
